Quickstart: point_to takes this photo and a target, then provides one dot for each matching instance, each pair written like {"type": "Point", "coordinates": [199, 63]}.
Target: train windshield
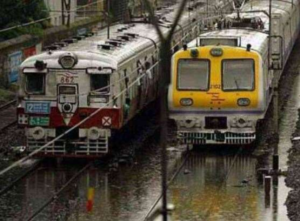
{"type": "Point", "coordinates": [238, 75]}
{"type": "Point", "coordinates": [100, 83]}
{"type": "Point", "coordinates": [35, 83]}
{"type": "Point", "coordinates": [193, 74]}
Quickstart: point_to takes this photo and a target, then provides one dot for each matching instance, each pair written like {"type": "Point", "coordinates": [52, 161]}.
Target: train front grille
{"type": "Point", "coordinates": [215, 122]}
{"type": "Point", "coordinates": [213, 138]}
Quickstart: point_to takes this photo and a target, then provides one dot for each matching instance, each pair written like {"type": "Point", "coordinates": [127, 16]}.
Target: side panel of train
{"type": "Point", "coordinates": [223, 84]}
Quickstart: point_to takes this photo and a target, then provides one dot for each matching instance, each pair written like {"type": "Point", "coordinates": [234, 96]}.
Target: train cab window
{"type": "Point", "coordinates": [35, 83]}
{"type": "Point", "coordinates": [193, 74]}
{"type": "Point", "coordinates": [238, 75]}
{"type": "Point", "coordinates": [100, 83]}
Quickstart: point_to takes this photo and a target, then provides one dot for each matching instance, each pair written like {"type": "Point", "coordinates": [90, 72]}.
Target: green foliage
{"type": "Point", "coordinates": [17, 12]}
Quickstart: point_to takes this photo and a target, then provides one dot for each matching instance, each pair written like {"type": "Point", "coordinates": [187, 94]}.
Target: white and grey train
{"type": "Point", "coordinates": [224, 82]}
{"type": "Point", "coordinates": [105, 82]}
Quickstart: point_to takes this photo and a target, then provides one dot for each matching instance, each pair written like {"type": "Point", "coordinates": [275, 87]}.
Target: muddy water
{"type": "Point", "coordinates": [222, 188]}
{"type": "Point", "coordinates": [123, 193]}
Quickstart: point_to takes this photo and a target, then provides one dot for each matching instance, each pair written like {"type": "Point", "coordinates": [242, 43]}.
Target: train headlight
{"type": "Point", "coordinates": [186, 102]}
{"type": "Point", "coordinates": [67, 108]}
{"type": "Point", "coordinates": [243, 102]}
{"type": "Point", "coordinates": [190, 123]}
{"type": "Point", "coordinates": [94, 133]}
{"type": "Point", "coordinates": [241, 123]}
{"type": "Point", "coordinates": [68, 60]}
{"type": "Point", "coordinates": [216, 52]}
{"type": "Point", "coordinates": [37, 133]}
{"type": "Point", "coordinates": [194, 53]}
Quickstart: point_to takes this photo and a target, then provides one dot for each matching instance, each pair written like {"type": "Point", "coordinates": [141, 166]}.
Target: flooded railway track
{"type": "Point", "coordinates": [8, 115]}
{"type": "Point", "coordinates": [57, 193]}
{"type": "Point", "coordinates": [27, 178]}
{"type": "Point", "coordinates": [19, 178]}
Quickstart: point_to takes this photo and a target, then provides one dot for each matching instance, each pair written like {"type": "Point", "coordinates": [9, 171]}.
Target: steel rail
{"type": "Point", "coordinates": [147, 217]}
{"type": "Point", "coordinates": [5, 107]}
{"type": "Point", "coordinates": [8, 104]}
{"type": "Point", "coordinates": [56, 194]}
{"type": "Point", "coordinates": [8, 125]}
{"type": "Point", "coordinates": [25, 174]}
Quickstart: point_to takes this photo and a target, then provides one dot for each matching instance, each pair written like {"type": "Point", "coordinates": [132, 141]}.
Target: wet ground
{"type": "Point", "coordinates": [7, 116]}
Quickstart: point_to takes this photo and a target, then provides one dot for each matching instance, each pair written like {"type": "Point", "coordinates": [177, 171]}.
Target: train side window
{"type": "Point", "coordinates": [155, 66]}
{"type": "Point", "coordinates": [35, 83]}
{"type": "Point", "coordinates": [193, 74]}
{"type": "Point", "coordinates": [139, 67]}
{"type": "Point", "coordinates": [100, 83]}
{"type": "Point", "coordinates": [238, 75]}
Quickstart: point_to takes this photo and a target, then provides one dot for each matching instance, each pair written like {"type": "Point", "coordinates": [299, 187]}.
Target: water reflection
{"type": "Point", "coordinates": [204, 194]}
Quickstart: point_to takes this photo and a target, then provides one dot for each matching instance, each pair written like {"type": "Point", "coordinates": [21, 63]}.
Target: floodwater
{"type": "Point", "coordinates": [213, 187]}
{"type": "Point", "coordinates": [222, 188]}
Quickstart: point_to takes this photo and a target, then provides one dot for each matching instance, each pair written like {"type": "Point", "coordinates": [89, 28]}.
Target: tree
{"type": "Point", "coordinates": [17, 12]}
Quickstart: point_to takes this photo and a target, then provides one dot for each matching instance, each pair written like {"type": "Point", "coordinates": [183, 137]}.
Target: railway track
{"type": "Point", "coordinates": [26, 173]}
{"type": "Point", "coordinates": [60, 191]}
{"type": "Point", "coordinates": [156, 209]}
{"type": "Point", "coordinates": [8, 115]}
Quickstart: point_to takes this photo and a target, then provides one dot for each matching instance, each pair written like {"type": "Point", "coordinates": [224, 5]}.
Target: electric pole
{"type": "Point", "coordinates": [62, 12]}
{"type": "Point", "coordinates": [108, 19]}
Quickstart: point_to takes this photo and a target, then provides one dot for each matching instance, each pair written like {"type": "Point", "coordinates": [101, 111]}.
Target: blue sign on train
{"type": "Point", "coordinates": [37, 108]}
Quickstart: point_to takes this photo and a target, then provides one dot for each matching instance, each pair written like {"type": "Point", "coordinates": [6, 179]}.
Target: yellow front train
{"type": "Point", "coordinates": [222, 83]}
{"type": "Point", "coordinates": [216, 94]}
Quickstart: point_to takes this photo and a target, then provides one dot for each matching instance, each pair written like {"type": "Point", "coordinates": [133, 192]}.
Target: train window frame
{"type": "Point", "coordinates": [35, 74]}
{"type": "Point", "coordinates": [139, 67]}
{"type": "Point", "coordinates": [94, 92]}
{"type": "Point", "coordinates": [222, 75]}
{"type": "Point", "coordinates": [208, 79]}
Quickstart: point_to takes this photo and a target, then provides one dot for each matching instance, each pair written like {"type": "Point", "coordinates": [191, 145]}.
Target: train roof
{"type": "Point", "coordinates": [94, 51]}
{"type": "Point", "coordinates": [258, 38]}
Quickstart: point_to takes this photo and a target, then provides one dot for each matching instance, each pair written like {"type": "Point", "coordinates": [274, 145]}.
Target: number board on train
{"type": "Point", "coordinates": [37, 108]}
{"type": "Point", "coordinates": [39, 121]}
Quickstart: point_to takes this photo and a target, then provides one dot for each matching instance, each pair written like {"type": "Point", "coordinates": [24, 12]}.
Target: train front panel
{"type": "Point", "coordinates": [59, 93]}
{"type": "Point", "coordinates": [217, 94]}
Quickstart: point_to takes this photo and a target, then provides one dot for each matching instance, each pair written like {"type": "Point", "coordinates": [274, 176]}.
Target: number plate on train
{"type": "Point", "coordinates": [37, 107]}
{"type": "Point", "coordinates": [39, 121]}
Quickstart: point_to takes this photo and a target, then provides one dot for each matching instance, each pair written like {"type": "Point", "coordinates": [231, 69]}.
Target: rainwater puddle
{"type": "Point", "coordinates": [205, 194]}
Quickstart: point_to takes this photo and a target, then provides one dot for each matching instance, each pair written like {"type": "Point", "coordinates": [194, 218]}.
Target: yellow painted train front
{"type": "Point", "coordinates": [223, 82]}
{"type": "Point", "coordinates": [217, 94]}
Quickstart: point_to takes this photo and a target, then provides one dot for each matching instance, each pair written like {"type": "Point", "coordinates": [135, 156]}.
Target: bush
{"type": "Point", "coordinates": [17, 12]}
